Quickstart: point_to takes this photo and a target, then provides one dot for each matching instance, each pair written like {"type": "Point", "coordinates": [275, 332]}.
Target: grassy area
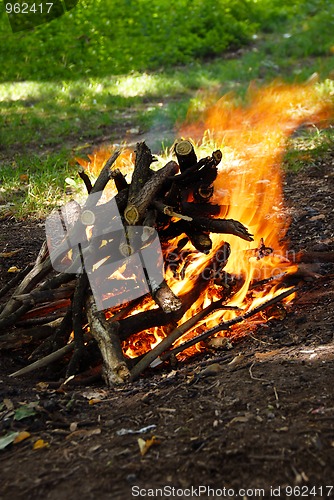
{"type": "Point", "coordinates": [107, 67]}
{"type": "Point", "coordinates": [307, 147]}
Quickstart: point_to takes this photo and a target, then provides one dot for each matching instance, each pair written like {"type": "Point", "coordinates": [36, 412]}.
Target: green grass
{"type": "Point", "coordinates": [116, 37]}
{"type": "Point", "coordinates": [34, 184]}
{"type": "Point", "coordinates": [307, 147]}
{"type": "Point", "coordinates": [107, 67]}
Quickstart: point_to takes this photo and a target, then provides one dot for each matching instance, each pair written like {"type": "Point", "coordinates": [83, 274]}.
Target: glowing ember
{"type": "Point", "coordinates": [249, 189]}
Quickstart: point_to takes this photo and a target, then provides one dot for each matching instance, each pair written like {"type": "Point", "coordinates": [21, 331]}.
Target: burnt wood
{"type": "Point", "coordinates": [185, 154]}
{"type": "Point", "coordinates": [136, 208]}
{"type": "Point", "coordinates": [142, 171]}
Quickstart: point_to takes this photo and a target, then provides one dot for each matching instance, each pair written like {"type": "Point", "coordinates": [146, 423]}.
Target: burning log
{"type": "Point", "coordinates": [58, 339]}
{"type": "Point", "coordinates": [223, 226]}
{"type": "Point", "coordinates": [156, 317]}
{"type": "Point", "coordinates": [77, 322]}
{"type": "Point", "coordinates": [15, 281]}
{"type": "Point", "coordinates": [204, 225]}
{"type": "Point", "coordinates": [104, 177]}
{"type": "Point", "coordinates": [173, 336]}
{"type": "Point", "coordinates": [199, 239]}
{"type": "Point", "coordinates": [226, 325]}
{"type": "Point", "coordinates": [200, 209]}
{"type": "Point", "coordinates": [165, 298]}
{"type": "Point", "coordinates": [43, 266]}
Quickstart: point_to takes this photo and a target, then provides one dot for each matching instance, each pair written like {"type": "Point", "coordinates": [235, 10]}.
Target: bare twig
{"type": "Point", "coordinates": [47, 360]}
{"type": "Point", "coordinates": [172, 337]}
{"type": "Point", "coordinates": [84, 176]}
{"type": "Point", "coordinates": [19, 276]}
{"type": "Point", "coordinates": [225, 325]}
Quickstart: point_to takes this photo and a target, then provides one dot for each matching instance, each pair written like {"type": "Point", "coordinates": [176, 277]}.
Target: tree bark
{"type": "Point", "coordinates": [115, 370]}
{"type": "Point", "coordinates": [136, 208]}
{"type": "Point", "coordinates": [185, 154]}
{"type": "Point", "coordinates": [142, 171]}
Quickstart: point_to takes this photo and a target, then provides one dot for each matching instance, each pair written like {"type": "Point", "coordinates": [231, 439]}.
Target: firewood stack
{"type": "Point", "coordinates": [174, 201]}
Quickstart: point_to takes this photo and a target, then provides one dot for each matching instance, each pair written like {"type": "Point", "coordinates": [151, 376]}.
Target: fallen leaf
{"type": "Point", "coordinates": [71, 377]}
{"type": "Point", "coordinates": [95, 401]}
{"type": "Point", "coordinates": [95, 394]}
{"type": "Point", "coordinates": [70, 182]}
{"type": "Point", "coordinates": [40, 443]}
{"type": "Point", "coordinates": [21, 437]}
{"type": "Point", "coordinates": [83, 433]}
{"type": "Point", "coordinates": [318, 217]}
{"type": "Point", "coordinates": [24, 411]}
{"type": "Point", "coordinates": [145, 445]}
{"type": "Point", "coordinates": [217, 342]}
{"type": "Point", "coordinates": [42, 386]}
{"type": "Point", "coordinates": [8, 404]}
{"type": "Point", "coordinates": [211, 370]}
{"type": "Point", "coordinates": [265, 355]}
{"type": "Point", "coordinates": [236, 360]}
{"type": "Point", "coordinates": [7, 439]}
{"type": "Point", "coordinates": [6, 255]}
{"type": "Point", "coordinates": [13, 269]}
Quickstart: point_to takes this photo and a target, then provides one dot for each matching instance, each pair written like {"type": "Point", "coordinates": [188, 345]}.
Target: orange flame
{"type": "Point", "coordinates": [248, 187]}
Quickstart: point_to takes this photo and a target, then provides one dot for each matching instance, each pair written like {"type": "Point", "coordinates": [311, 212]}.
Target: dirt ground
{"type": "Point", "coordinates": [259, 427]}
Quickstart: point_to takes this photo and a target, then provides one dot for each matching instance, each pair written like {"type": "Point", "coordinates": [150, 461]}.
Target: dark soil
{"type": "Point", "coordinates": [264, 421]}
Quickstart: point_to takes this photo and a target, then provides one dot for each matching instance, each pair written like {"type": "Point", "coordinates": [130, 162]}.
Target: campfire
{"type": "Point", "coordinates": [166, 253]}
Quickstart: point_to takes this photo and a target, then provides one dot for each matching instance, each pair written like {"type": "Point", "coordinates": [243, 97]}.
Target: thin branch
{"type": "Point", "coordinates": [47, 360]}
{"type": "Point", "coordinates": [17, 279]}
{"type": "Point", "coordinates": [225, 325]}
{"type": "Point", "coordinates": [172, 337]}
{"type": "Point", "coordinates": [84, 176]}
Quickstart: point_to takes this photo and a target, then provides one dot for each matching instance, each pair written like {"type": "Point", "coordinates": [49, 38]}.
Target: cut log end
{"type": "Point", "coordinates": [131, 215]}
{"type": "Point", "coordinates": [183, 148]}
{"type": "Point", "coordinates": [185, 154]}
{"type": "Point", "coordinates": [166, 299]}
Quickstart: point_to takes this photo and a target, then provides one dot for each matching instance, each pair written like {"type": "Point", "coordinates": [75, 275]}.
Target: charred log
{"type": "Point", "coordinates": [200, 209]}
{"type": "Point", "coordinates": [223, 226]}
{"type": "Point", "coordinates": [119, 180]}
{"type": "Point", "coordinates": [185, 154]}
{"type": "Point", "coordinates": [136, 208]}
{"type": "Point", "coordinates": [166, 298]}
{"type": "Point", "coordinates": [142, 171]}
{"type": "Point", "coordinates": [86, 179]}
